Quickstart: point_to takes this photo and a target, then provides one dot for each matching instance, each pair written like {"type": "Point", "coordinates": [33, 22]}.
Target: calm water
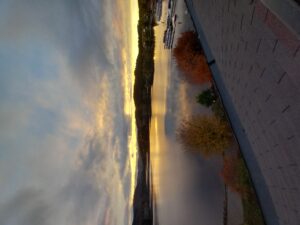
{"type": "Point", "coordinates": [187, 187]}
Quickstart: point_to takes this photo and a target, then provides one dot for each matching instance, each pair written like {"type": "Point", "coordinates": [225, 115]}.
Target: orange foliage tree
{"type": "Point", "coordinates": [235, 175]}
{"type": "Point", "coordinates": [190, 58]}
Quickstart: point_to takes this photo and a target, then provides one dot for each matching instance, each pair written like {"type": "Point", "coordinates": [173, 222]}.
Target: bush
{"type": "Point", "coordinates": [206, 98]}
{"type": "Point", "coordinates": [190, 58]}
{"type": "Point", "coordinates": [209, 135]}
{"type": "Point", "coordinates": [235, 175]}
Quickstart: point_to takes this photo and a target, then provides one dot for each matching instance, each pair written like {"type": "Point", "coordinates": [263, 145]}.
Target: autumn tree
{"type": "Point", "coordinates": [235, 175]}
{"type": "Point", "coordinates": [190, 58]}
{"type": "Point", "coordinates": [207, 134]}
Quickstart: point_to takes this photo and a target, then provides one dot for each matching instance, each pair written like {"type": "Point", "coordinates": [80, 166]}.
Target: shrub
{"type": "Point", "coordinates": [235, 175]}
{"type": "Point", "coordinates": [190, 58]}
{"type": "Point", "coordinates": [209, 135]}
{"type": "Point", "coordinates": [206, 98]}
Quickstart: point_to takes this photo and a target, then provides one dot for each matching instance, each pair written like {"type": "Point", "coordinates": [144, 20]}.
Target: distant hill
{"type": "Point", "coordinates": [144, 73]}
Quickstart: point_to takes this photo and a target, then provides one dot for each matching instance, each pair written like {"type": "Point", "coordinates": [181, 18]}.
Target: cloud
{"type": "Point", "coordinates": [84, 198]}
{"type": "Point", "coordinates": [64, 134]}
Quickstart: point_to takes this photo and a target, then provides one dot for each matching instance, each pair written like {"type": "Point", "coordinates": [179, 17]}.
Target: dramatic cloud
{"type": "Point", "coordinates": [63, 135]}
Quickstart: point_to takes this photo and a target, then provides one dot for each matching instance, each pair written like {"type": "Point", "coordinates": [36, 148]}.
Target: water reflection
{"type": "Point", "coordinates": [187, 188]}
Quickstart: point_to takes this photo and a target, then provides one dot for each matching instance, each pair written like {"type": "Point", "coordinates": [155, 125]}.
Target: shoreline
{"type": "Point", "coordinates": [144, 73]}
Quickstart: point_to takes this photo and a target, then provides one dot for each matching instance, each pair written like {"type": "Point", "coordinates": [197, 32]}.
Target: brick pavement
{"type": "Point", "coordinates": [258, 73]}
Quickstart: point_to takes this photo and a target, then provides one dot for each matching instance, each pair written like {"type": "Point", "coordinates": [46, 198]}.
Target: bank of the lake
{"type": "Point", "coordinates": [144, 71]}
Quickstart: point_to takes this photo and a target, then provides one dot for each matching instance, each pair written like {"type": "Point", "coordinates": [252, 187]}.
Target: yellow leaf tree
{"type": "Point", "coordinates": [207, 134]}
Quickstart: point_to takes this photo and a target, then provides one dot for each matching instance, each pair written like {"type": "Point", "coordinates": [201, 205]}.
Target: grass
{"type": "Point", "coordinates": [251, 208]}
{"type": "Point", "coordinates": [218, 110]}
{"type": "Point", "coordinates": [252, 212]}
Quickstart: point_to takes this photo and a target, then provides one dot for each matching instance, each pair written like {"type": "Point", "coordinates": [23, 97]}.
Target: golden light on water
{"type": "Point", "coordinates": [158, 140]}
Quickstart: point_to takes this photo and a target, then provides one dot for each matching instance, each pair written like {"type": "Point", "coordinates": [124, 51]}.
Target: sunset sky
{"type": "Point", "coordinates": [67, 134]}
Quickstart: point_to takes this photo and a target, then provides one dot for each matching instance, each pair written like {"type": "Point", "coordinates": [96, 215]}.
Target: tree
{"type": "Point", "coordinates": [207, 134]}
{"type": "Point", "coordinates": [229, 173]}
{"type": "Point", "coordinates": [237, 178]}
{"type": "Point", "coordinates": [235, 175]}
{"type": "Point", "coordinates": [206, 98]}
{"type": "Point", "coordinates": [190, 58]}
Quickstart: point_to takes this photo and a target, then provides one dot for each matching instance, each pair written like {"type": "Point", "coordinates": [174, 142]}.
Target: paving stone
{"type": "Point", "coordinates": [258, 61]}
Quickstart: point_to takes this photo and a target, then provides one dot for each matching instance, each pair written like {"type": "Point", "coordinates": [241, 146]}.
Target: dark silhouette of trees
{"type": "Point", "coordinates": [207, 134]}
{"type": "Point", "coordinates": [190, 58]}
{"type": "Point", "coordinates": [144, 71]}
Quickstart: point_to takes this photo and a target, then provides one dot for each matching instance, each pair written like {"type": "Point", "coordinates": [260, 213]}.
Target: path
{"type": "Point", "coordinates": [257, 72]}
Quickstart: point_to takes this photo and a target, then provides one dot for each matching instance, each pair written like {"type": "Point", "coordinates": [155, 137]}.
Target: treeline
{"type": "Point", "coordinates": [144, 72]}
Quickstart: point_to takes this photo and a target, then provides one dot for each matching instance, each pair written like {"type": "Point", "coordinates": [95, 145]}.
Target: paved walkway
{"type": "Point", "coordinates": [257, 71]}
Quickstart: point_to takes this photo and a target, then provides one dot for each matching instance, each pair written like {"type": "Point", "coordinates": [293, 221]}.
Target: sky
{"type": "Point", "coordinates": [67, 135]}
